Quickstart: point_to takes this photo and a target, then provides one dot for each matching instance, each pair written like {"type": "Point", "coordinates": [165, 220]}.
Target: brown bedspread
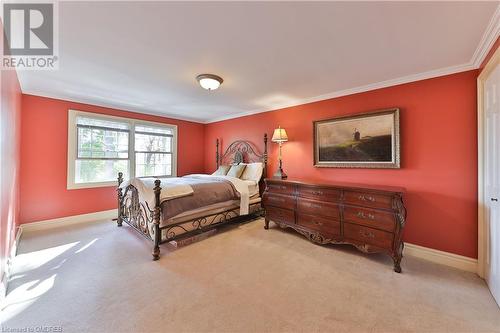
{"type": "Point", "coordinates": [206, 191]}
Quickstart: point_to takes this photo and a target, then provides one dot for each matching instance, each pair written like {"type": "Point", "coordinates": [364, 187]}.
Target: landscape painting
{"type": "Point", "coordinates": [369, 140]}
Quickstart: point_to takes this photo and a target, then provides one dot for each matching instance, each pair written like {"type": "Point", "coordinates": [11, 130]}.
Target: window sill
{"type": "Point", "coordinates": [113, 183]}
{"type": "Point", "coordinates": [78, 186]}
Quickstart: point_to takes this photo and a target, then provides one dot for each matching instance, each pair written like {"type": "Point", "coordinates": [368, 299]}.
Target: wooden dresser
{"type": "Point", "coordinates": [370, 218]}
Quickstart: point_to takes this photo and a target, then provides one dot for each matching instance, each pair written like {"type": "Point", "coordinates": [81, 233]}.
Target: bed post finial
{"type": "Point", "coordinates": [156, 221]}
{"type": "Point", "coordinates": [120, 196]}
{"type": "Point", "coordinates": [265, 155]}
{"type": "Point", "coordinates": [265, 146]}
{"type": "Point", "coordinates": [217, 153]}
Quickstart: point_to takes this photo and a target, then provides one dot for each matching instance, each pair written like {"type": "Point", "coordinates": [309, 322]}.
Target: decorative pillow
{"type": "Point", "coordinates": [222, 170]}
{"type": "Point", "coordinates": [236, 170]}
{"type": "Point", "coordinates": [253, 171]}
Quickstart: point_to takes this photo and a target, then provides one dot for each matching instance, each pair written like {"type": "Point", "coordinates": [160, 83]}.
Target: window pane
{"type": "Point", "coordinates": [151, 164]}
{"type": "Point", "coordinates": [91, 171]}
{"type": "Point", "coordinates": [153, 129]}
{"type": "Point", "coordinates": [100, 143]}
{"type": "Point", "coordinates": [151, 142]}
{"type": "Point", "coordinates": [82, 120]}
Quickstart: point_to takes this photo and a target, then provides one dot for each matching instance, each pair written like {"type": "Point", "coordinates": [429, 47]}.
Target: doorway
{"type": "Point", "coordinates": [489, 175]}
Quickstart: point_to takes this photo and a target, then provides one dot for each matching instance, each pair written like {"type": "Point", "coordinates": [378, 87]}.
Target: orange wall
{"type": "Point", "coordinates": [438, 153]}
{"type": "Point", "coordinates": [10, 123]}
{"type": "Point", "coordinates": [44, 141]}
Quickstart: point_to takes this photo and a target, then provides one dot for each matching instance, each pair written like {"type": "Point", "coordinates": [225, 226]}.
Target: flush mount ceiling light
{"type": "Point", "coordinates": [209, 81]}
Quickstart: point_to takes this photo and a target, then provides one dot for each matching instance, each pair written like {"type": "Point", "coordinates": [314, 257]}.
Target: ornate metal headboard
{"type": "Point", "coordinates": [241, 151]}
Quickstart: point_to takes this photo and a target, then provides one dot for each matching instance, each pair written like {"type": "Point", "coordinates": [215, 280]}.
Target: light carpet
{"type": "Point", "coordinates": [97, 277]}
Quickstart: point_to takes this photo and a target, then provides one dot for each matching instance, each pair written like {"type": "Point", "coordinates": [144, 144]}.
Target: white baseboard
{"type": "Point", "coordinates": [8, 268]}
{"type": "Point", "coordinates": [68, 220]}
{"type": "Point", "coordinates": [441, 257]}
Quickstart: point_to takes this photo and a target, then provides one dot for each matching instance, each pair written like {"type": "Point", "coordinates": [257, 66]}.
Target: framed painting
{"type": "Point", "coordinates": [367, 140]}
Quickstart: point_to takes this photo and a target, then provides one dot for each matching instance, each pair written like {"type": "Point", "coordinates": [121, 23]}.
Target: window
{"type": "Point", "coordinates": [153, 151]}
{"type": "Point", "coordinates": [100, 146]}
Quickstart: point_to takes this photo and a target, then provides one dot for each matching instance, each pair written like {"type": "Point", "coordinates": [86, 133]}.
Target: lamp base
{"type": "Point", "coordinates": [280, 174]}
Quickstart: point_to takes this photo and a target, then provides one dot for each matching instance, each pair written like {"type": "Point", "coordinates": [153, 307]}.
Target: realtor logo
{"type": "Point", "coordinates": [29, 41]}
{"type": "Point", "coordinates": [29, 28]}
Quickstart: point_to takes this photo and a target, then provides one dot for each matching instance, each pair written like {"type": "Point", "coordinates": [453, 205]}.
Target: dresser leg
{"type": "Point", "coordinates": [266, 223]}
{"type": "Point", "coordinates": [397, 258]}
{"type": "Point", "coordinates": [397, 265]}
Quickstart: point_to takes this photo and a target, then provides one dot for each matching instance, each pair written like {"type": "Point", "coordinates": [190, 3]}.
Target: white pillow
{"type": "Point", "coordinates": [222, 170]}
{"type": "Point", "coordinates": [253, 171]}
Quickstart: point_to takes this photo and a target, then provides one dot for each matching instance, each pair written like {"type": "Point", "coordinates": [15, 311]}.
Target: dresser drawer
{"type": "Point", "coordinates": [370, 217]}
{"type": "Point", "coordinates": [325, 226]}
{"type": "Point", "coordinates": [280, 215]}
{"type": "Point", "coordinates": [318, 208]}
{"type": "Point", "coordinates": [368, 199]}
{"type": "Point", "coordinates": [281, 188]}
{"type": "Point", "coordinates": [369, 236]}
{"type": "Point", "coordinates": [319, 193]}
{"type": "Point", "coordinates": [278, 200]}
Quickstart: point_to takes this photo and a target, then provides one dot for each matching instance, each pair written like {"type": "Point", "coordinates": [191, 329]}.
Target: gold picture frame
{"type": "Point", "coordinates": [365, 140]}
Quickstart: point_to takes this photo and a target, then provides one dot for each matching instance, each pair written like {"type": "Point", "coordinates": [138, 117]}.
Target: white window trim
{"type": "Point", "coordinates": [72, 149]}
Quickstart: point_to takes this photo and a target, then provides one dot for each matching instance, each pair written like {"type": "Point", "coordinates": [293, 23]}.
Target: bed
{"type": "Point", "coordinates": [194, 203]}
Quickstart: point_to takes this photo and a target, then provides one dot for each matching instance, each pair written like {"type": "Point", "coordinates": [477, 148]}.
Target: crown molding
{"type": "Point", "coordinates": [489, 38]}
{"type": "Point", "coordinates": [356, 90]}
{"type": "Point", "coordinates": [351, 91]}
{"type": "Point", "coordinates": [99, 103]}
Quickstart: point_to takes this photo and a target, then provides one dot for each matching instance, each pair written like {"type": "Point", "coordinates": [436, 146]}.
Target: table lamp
{"type": "Point", "coordinates": [279, 136]}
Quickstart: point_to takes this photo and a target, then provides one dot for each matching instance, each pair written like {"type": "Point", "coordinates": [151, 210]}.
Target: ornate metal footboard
{"type": "Point", "coordinates": [146, 220]}
{"type": "Point", "coordinates": [204, 223]}
{"type": "Point", "coordinates": [138, 214]}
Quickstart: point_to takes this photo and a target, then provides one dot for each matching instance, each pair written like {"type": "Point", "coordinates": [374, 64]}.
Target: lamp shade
{"type": "Point", "coordinates": [279, 135]}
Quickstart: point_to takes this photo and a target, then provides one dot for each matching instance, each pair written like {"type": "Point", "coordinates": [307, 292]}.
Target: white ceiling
{"type": "Point", "coordinates": [144, 57]}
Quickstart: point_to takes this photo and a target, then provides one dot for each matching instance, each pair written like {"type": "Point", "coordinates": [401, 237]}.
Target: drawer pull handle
{"type": "Point", "coordinates": [318, 223]}
{"type": "Point", "coordinates": [314, 205]}
{"type": "Point", "coordinates": [279, 187]}
{"type": "Point", "coordinates": [366, 198]}
{"type": "Point", "coordinates": [367, 234]}
{"type": "Point", "coordinates": [317, 192]}
{"type": "Point", "coordinates": [366, 216]}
